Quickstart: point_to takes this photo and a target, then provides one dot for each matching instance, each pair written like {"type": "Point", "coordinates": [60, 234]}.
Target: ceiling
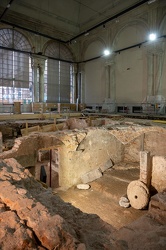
{"type": "Point", "coordinates": [62, 19]}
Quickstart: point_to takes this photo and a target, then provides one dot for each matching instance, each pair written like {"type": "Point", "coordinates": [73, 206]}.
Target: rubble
{"type": "Point", "coordinates": [124, 202]}
{"type": "Point", "coordinates": [33, 218]}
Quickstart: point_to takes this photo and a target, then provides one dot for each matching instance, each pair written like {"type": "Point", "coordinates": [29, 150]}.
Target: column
{"type": "Point", "coordinates": [41, 80]}
{"type": "Point", "coordinates": [82, 83]}
{"type": "Point", "coordinates": [107, 82]}
{"type": "Point", "coordinates": [155, 66]}
{"type": "Point", "coordinates": [75, 84]}
{"type": "Point", "coordinates": [35, 82]}
{"type": "Point", "coordinates": [160, 62]}
{"type": "Point", "coordinates": [110, 78]}
{"type": "Point", "coordinates": [150, 85]}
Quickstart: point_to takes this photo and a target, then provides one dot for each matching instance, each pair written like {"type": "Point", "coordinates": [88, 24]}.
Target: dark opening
{"type": "Point", "coordinates": [43, 175]}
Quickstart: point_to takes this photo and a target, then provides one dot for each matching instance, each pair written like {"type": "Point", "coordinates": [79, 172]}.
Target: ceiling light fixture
{"type": "Point", "coordinates": [152, 37]}
{"type": "Point", "coordinates": [106, 52]}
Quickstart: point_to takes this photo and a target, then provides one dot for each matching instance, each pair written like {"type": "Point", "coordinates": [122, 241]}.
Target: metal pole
{"type": "Point", "coordinates": [50, 165]}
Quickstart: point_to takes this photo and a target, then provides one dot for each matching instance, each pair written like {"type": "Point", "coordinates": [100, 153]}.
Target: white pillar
{"type": "Point", "coordinates": [112, 81]}
{"type": "Point", "coordinates": [110, 78]}
{"type": "Point", "coordinates": [82, 83]}
{"type": "Point", "coordinates": [159, 64]}
{"type": "Point", "coordinates": [35, 82]}
{"type": "Point", "coordinates": [150, 86]}
{"type": "Point", "coordinates": [155, 67]}
{"type": "Point", "coordinates": [75, 85]}
{"type": "Point", "coordinates": [107, 82]}
{"type": "Point", "coordinates": [38, 66]}
{"type": "Point", "coordinates": [41, 81]}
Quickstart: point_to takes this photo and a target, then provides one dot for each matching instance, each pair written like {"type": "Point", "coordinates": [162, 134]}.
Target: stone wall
{"type": "Point", "coordinates": [0, 142]}
{"type": "Point", "coordinates": [151, 139]}
{"type": "Point", "coordinates": [93, 151]}
{"type": "Point", "coordinates": [79, 151]}
{"type": "Point", "coordinates": [82, 151]}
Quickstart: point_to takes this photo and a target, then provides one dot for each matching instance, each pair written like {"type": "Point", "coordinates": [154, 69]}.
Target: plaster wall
{"type": "Point", "coordinates": [95, 82]}
{"type": "Point", "coordinates": [134, 74]}
{"type": "Point", "coordinates": [129, 75]}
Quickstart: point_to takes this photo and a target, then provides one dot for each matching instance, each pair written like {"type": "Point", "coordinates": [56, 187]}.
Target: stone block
{"type": "Point", "coordinates": [74, 123]}
{"type": "Point", "coordinates": [91, 176]}
{"type": "Point", "coordinates": [158, 201]}
{"type": "Point", "coordinates": [144, 160]}
{"type": "Point", "coordinates": [106, 166]}
{"type": "Point", "coordinates": [158, 180]}
{"type": "Point", "coordinates": [43, 155]}
{"type": "Point", "coordinates": [145, 167]}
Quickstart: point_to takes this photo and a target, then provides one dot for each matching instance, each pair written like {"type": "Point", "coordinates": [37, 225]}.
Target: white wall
{"type": "Point", "coordinates": [95, 82]}
{"type": "Point", "coordinates": [94, 73]}
{"type": "Point", "coordinates": [131, 68]}
{"type": "Point", "coordinates": [129, 75]}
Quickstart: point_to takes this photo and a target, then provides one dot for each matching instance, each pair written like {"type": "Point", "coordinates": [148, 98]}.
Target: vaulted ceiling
{"type": "Point", "coordinates": [62, 19]}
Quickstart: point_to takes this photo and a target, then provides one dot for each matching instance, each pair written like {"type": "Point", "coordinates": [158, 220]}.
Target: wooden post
{"type": "Point", "coordinates": [26, 126]}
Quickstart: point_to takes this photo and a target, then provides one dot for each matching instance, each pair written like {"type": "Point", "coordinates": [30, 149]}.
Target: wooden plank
{"type": "Point", "coordinates": [159, 121]}
{"type": "Point", "coordinates": [31, 116]}
{"type": "Point", "coordinates": [26, 131]}
{"type": "Point", "coordinates": [46, 128]}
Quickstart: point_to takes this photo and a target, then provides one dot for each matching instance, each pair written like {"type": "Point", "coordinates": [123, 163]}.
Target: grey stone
{"type": "Point", "coordinates": [91, 176]}
{"type": "Point", "coordinates": [107, 165]}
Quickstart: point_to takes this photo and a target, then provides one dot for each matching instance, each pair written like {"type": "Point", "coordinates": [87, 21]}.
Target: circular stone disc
{"type": "Point", "coordinates": [138, 194]}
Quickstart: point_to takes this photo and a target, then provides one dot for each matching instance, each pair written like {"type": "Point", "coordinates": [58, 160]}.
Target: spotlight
{"type": "Point", "coordinates": [152, 37]}
{"type": "Point", "coordinates": [106, 52]}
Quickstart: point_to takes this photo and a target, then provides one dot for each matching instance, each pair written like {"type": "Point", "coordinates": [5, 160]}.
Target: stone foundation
{"type": "Point", "coordinates": [81, 151]}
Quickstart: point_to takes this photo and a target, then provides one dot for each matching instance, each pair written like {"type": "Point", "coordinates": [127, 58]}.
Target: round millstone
{"type": "Point", "coordinates": [138, 194]}
{"type": "Point", "coordinates": [83, 186]}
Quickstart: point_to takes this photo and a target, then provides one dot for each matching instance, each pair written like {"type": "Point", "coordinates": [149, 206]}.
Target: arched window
{"type": "Point", "coordinates": [59, 73]}
{"type": "Point", "coordinates": [15, 70]}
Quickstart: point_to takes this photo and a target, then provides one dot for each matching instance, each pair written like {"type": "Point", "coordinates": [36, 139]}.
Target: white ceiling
{"type": "Point", "coordinates": [61, 19]}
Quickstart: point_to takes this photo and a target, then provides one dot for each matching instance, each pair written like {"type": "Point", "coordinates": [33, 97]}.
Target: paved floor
{"type": "Point", "coordinates": [103, 196]}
